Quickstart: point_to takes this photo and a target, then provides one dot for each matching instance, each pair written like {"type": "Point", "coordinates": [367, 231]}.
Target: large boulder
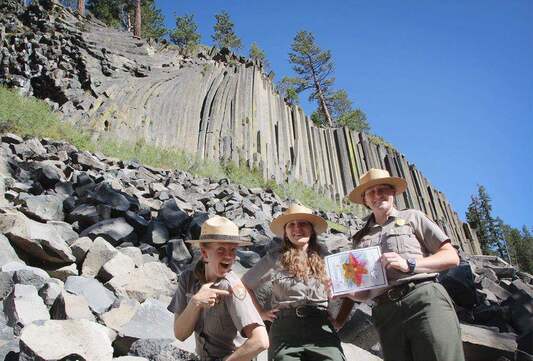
{"type": "Point", "coordinates": [99, 298]}
{"type": "Point", "coordinates": [24, 306]}
{"type": "Point", "coordinates": [482, 344]}
{"type": "Point", "coordinates": [7, 252]}
{"type": "Point", "coordinates": [43, 207]}
{"type": "Point", "coordinates": [173, 217]}
{"type": "Point", "coordinates": [100, 252]}
{"type": "Point", "coordinates": [8, 342]}
{"type": "Point", "coordinates": [117, 266]}
{"type": "Point", "coordinates": [39, 240]}
{"type": "Point", "coordinates": [71, 339]}
{"type": "Point", "coordinates": [152, 279]}
{"type": "Point", "coordinates": [115, 231]}
{"type": "Point", "coordinates": [117, 317]}
{"type": "Point", "coordinates": [165, 349]}
{"type": "Point", "coordinates": [71, 307]}
{"type": "Point", "coordinates": [151, 320]}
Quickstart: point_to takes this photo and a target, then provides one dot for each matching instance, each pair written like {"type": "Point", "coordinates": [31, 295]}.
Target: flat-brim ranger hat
{"type": "Point", "coordinates": [374, 177]}
{"type": "Point", "coordinates": [220, 229]}
{"type": "Point", "coordinates": [297, 212]}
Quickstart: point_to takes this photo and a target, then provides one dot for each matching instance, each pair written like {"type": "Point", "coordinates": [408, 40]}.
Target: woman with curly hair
{"type": "Point", "coordinates": [301, 327]}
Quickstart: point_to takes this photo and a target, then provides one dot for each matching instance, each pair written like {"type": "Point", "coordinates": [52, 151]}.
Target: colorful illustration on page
{"type": "Point", "coordinates": [354, 269]}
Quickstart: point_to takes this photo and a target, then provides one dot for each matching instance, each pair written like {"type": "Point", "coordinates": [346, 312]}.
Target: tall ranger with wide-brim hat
{"type": "Point", "coordinates": [414, 316]}
{"type": "Point", "coordinates": [213, 303]}
{"type": "Point", "coordinates": [299, 289]}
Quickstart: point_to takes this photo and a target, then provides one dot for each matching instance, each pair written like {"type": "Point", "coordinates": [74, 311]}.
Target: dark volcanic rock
{"type": "Point", "coordinates": [115, 231]}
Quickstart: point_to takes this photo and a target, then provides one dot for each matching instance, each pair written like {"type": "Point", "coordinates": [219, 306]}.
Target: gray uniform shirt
{"type": "Point", "coordinates": [287, 291]}
{"type": "Point", "coordinates": [218, 330]}
{"type": "Point", "coordinates": [410, 233]}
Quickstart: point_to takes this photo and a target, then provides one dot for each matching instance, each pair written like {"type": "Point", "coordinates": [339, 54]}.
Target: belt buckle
{"type": "Point", "coordinates": [300, 311]}
{"type": "Point", "coordinates": [391, 294]}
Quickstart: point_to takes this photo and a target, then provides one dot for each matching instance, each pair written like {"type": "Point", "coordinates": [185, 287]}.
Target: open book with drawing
{"type": "Point", "coordinates": [355, 270]}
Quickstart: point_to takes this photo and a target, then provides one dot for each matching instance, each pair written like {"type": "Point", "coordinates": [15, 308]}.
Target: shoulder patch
{"type": "Point", "coordinates": [239, 291]}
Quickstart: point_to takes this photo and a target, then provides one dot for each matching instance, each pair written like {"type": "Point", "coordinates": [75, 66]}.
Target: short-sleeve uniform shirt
{"type": "Point", "coordinates": [218, 330]}
{"type": "Point", "coordinates": [410, 233]}
{"type": "Point", "coordinates": [287, 290]}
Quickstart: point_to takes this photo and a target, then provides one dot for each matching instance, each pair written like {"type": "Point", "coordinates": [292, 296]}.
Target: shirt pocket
{"type": "Point", "coordinates": [398, 238]}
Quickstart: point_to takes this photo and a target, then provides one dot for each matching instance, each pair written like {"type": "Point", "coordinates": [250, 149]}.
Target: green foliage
{"type": "Point", "coordinates": [287, 89]}
{"type": "Point", "coordinates": [121, 14]}
{"type": "Point", "coordinates": [185, 34]}
{"type": "Point", "coordinates": [224, 36]}
{"type": "Point", "coordinates": [376, 139]}
{"type": "Point", "coordinates": [152, 20]}
{"type": "Point", "coordinates": [489, 229]}
{"type": "Point", "coordinates": [342, 112]}
{"type": "Point", "coordinates": [257, 54]}
{"type": "Point", "coordinates": [111, 12]}
{"type": "Point", "coordinates": [313, 66]}
{"type": "Point", "coordinates": [32, 117]}
{"type": "Point", "coordinates": [520, 244]}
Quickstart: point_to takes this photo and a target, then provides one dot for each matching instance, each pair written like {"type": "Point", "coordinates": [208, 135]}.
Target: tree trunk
{"type": "Point", "coordinates": [137, 31]}
{"type": "Point", "coordinates": [321, 99]}
{"type": "Point", "coordinates": [81, 7]}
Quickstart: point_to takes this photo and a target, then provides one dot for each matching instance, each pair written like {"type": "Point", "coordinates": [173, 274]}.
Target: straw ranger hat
{"type": "Point", "coordinates": [374, 177]}
{"type": "Point", "coordinates": [220, 229]}
{"type": "Point", "coordinates": [297, 212]}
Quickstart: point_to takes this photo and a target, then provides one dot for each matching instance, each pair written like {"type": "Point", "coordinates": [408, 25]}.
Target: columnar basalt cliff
{"type": "Point", "coordinates": [215, 104]}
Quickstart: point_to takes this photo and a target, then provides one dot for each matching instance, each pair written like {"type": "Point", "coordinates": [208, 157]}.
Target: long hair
{"type": "Point", "coordinates": [303, 265]}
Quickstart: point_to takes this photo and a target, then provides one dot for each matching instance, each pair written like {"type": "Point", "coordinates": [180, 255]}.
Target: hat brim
{"type": "Point", "coordinates": [278, 224]}
{"type": "Point", "coordinates": [221, 238]}
{"type": "Point", "coordinates": [399, 184]}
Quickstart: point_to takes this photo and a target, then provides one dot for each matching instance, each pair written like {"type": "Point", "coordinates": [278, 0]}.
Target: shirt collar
{"type": "Point", "coordinates": [393, 215]}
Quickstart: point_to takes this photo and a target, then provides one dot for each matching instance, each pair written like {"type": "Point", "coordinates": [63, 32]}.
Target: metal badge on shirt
{"type": "Point", "coordinates": [400, 221]}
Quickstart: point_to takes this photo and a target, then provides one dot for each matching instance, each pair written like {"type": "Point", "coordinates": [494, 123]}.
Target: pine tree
{"type": "Point", "coordinates": [185, 35]}
{"type": "Point", "coordinates": [342, 112]}
{"type": "Point", "coordinates": [488, 229]}
{"type": "Point", "coordinates": [224, 36]}
{"type": "Point", "coordinates": [520, 247]}
{"type": "Point", "coordinates": [257, 54]}
{"type": "Point", "coordinates": [119, 14]}
{"type": "Point", "coordinates": [314, 68]}
{"type": "Point", "coordinates": [286, 88]}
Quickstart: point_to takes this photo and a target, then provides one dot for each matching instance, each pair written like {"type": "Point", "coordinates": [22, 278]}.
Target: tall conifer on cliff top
{"type": "Point", "coordinates": [224, 36]}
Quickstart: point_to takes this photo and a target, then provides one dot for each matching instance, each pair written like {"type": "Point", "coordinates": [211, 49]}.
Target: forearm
{"type": "Point", "coordinates": [256, 343]}
{"type": "Point", "coordinates": [185, 322]}
{"type": "Point", "coordinates": [446, 257]}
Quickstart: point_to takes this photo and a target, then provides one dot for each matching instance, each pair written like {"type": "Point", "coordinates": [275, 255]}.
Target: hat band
{"type": "Point", "coordinates": [221, 237]}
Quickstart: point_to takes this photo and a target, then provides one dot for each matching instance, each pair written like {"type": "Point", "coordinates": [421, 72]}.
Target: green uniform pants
{"type": "Point", "coordinates": [311, 339]}
{"type": "Point", "coordinates": [422, 326]}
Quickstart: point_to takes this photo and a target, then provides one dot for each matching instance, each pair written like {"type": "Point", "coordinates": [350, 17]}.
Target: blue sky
{"type": "Point", "coordinates": [449, 83]}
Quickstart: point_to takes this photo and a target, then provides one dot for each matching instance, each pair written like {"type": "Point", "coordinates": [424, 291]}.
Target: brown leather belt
{"type": "Point", "coordinates": [396, 293]}
{"type": "Point", "coordinates": [302, 311]}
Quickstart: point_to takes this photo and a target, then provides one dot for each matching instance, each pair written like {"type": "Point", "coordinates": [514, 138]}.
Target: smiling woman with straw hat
{"type": "Point", "coordinates": [301, 329]}
{"type": "Point", "coordinates": [415, 317]}
{"type": "Point", "coordinates": [212, 301]}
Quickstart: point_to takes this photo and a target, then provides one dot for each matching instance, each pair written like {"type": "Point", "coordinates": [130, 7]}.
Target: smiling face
{"type": "Point", "coordinates": [299, 232]}
{"type": "Point", "coordinates": [219, 257]}
{"type": "Point", "coordinates": [379, 198]}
